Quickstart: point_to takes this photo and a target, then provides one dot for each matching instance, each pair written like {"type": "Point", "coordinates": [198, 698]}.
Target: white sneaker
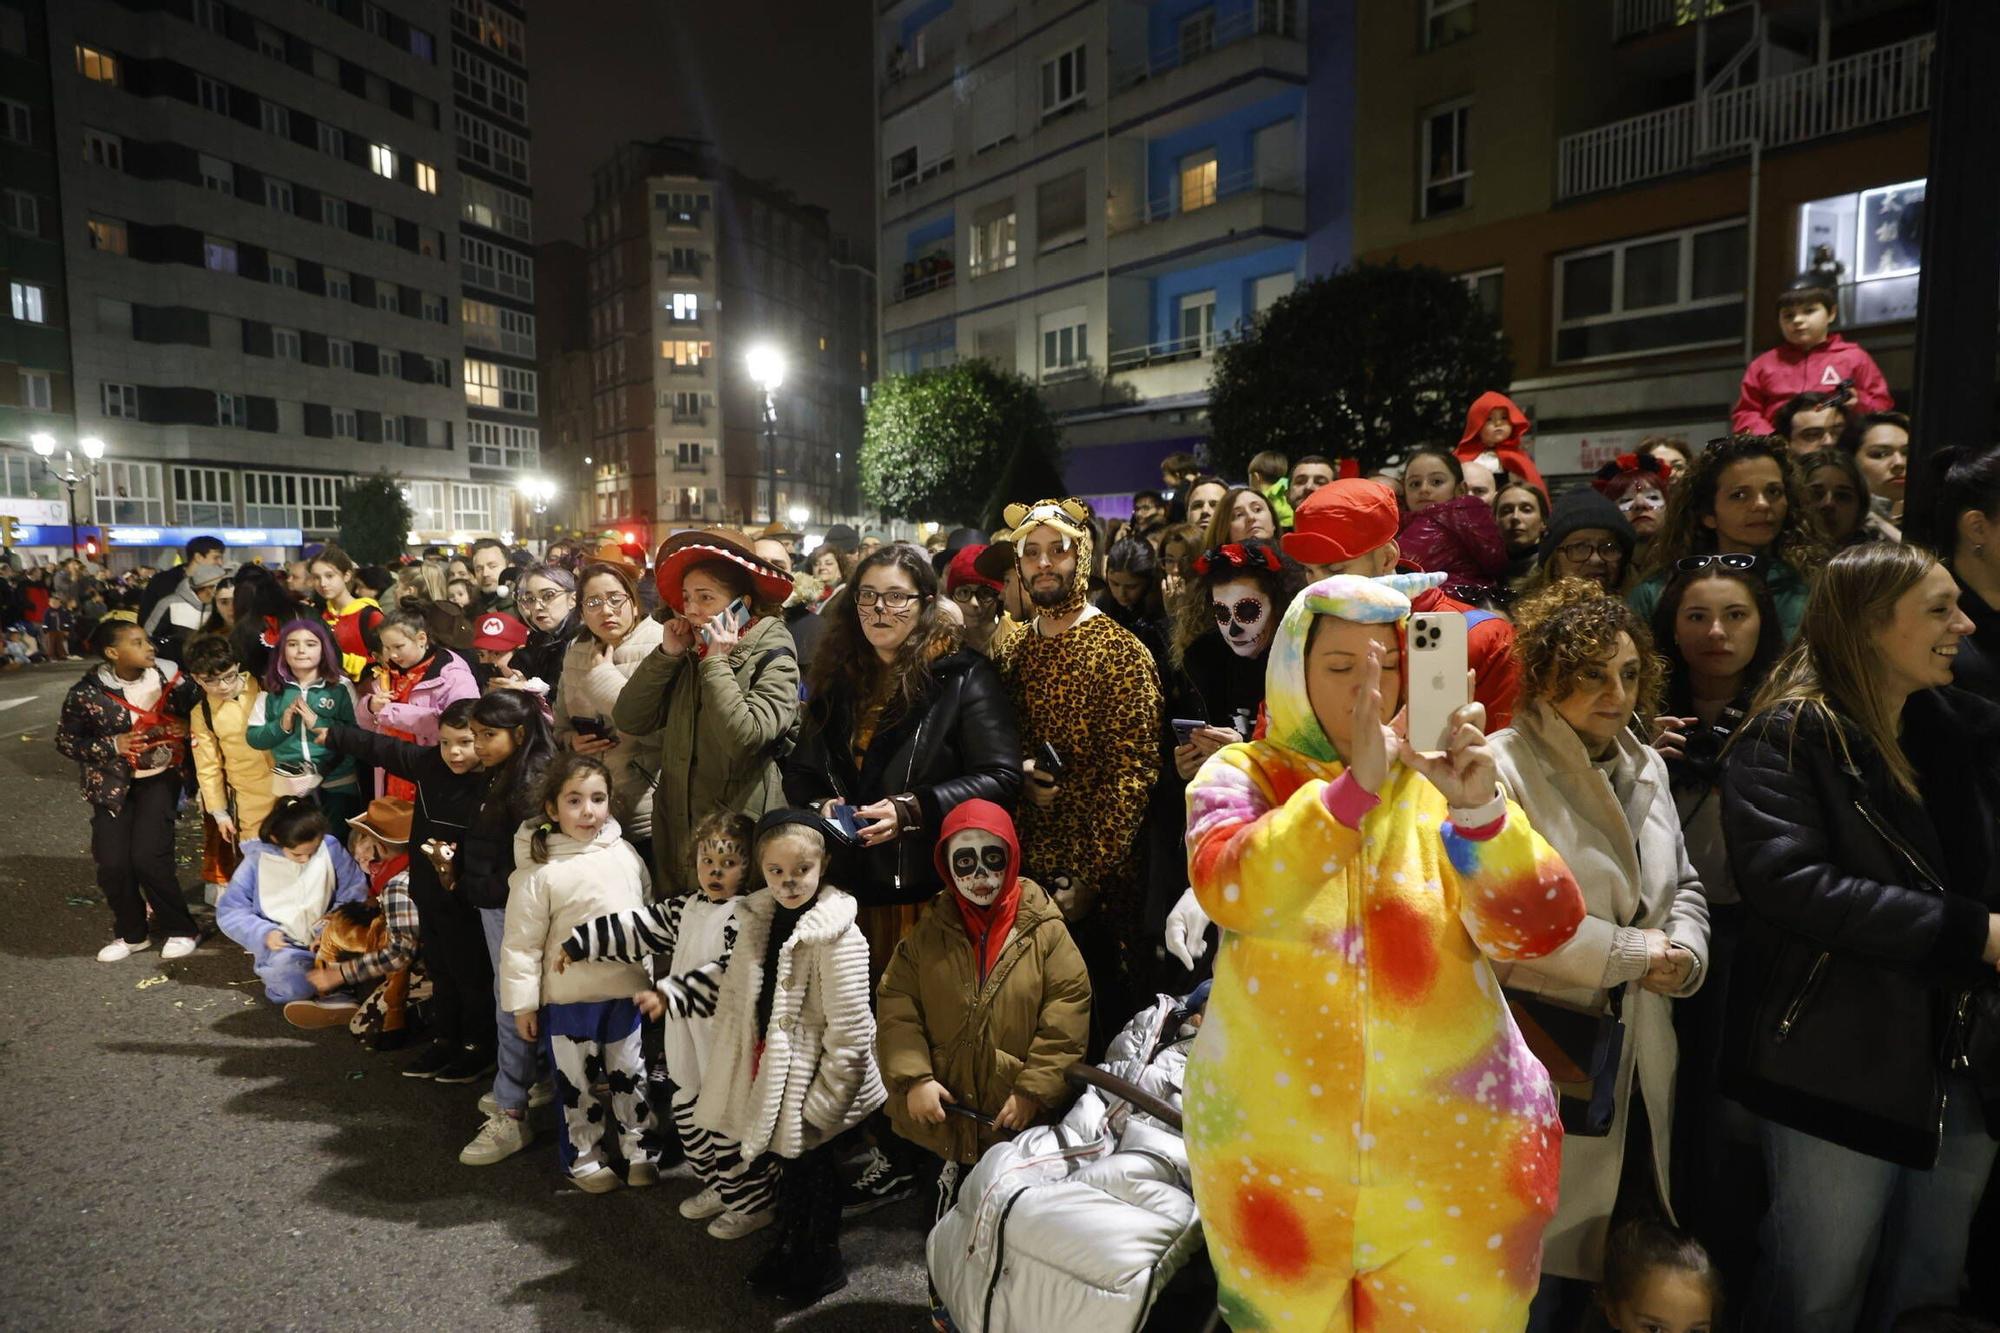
{"type": "Point", "coordinates": [540, 1095]}
{"type": "Point", "coordinates": [498, 1139]}
{"type": "Point", "coordinates": [179, 946]}
{"type": "Point", "coordinates": [118, 950]}
{"type": "Point", "coordinates": [698, 1206]}
{"type": "Point", "coordinates": [735, 1226]}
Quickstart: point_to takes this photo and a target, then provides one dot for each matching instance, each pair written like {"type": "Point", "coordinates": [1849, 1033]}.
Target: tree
{"type": "Point", "coordinates": [374, 519]}
{"type": "Point", "coordinates": [957, 444]}
{"type": "Point", "coordinates": [1365, 363]}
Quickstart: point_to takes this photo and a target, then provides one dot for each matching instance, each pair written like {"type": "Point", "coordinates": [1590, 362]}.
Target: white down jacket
{"type": "Point", "coordinates": [817, 1075]}
{"type": "Point", "coordinates": [545, 902]}
{"type": "Point", "coordinates": [1080, 1224]}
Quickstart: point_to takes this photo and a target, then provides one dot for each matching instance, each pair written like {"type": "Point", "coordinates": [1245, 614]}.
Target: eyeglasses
{"type": "Point", "coordinates": [549, 598]}
{"type": "Point", "coordinates": [968, 594]}
{"type": "Point", "coordinates": [1578, 552]}
{"type": "Point", "coordinates": [1246, 611]}
{"type": "Point", "coordinates": [614, 601]}
{"type": "Point", "coordinates": [895, 599]}
{"type": "Point", "coordinates": [1736, 560]}
{"type": "Point", "coordinates": [219, 677]}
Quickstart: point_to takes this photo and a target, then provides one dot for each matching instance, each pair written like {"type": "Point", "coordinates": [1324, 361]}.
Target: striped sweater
{"type": "Point", "coordinates": [696, 937]}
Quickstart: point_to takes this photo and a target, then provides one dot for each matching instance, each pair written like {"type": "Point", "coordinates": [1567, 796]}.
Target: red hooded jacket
{"type": "Point", "coordinates": [1513, 451]}
{"type": "Point", "coordinates": [987, 927]}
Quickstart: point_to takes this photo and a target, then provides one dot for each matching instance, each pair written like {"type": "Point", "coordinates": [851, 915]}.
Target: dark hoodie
{"type": "Point", "coordinates": [1513, 451]}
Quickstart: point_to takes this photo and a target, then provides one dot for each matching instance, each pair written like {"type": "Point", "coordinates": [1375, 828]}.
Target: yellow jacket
{"type": "Point", "coordinates": [234, 778]}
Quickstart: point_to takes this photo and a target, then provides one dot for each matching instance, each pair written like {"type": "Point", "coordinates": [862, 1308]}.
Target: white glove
{"type": "Point", "coordinates": [1186, 932]}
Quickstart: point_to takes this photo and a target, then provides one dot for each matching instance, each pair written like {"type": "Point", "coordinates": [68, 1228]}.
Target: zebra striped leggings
{"type": "Point", "coordinates": [753, 1190]}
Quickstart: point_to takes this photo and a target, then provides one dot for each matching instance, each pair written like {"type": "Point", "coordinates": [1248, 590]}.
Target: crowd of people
{"type": "Point", "coordinates": [1665, 971]}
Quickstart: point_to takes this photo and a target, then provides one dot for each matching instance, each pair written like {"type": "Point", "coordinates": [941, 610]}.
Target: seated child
{"type": "Point", "coordinates": [791, 1067]}
{"type": "Point", "coordinates": [374, 941]}
{"type": "Point", "coordinates": [570, 868]}
{"type": "Point", "coordinates": [695, 933]}
{"type": "Point", "coordinates": [1657, 1278]}
{"type": "Point", "coordinates": [1809, 360]}
{"type": "Point", "coordinates": [1025, 1032]}
{"type": "Point", "coordinates": [292, 874]}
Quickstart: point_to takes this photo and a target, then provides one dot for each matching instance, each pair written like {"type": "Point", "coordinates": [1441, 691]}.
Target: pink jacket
{"type": "Point", "coordinates": [448, 680]}
{"type": "Point", "coordinates": [1785, 372]}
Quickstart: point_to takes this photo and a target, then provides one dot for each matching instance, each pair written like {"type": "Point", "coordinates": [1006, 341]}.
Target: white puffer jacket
{"type": "Point", "coordinates": [546, 902]}
{"type": "Point", "coordinates": [589, 688]}
{"type": "Point", "coordinates": [817, 1074]}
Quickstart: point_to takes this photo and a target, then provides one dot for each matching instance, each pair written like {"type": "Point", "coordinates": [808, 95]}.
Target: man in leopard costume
{"type": "Point", "coordinates": [1085, 687]}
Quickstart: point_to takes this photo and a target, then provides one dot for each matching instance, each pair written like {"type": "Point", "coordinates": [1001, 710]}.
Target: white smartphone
{"type": "Point", "coordinates": [1437, 675]}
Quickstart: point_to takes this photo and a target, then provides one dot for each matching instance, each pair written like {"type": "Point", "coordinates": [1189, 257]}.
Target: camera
{"type": "Point", "coordinates": [1701, 763]}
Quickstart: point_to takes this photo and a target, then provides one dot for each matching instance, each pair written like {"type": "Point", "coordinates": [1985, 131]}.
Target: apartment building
{"type": "Point", "coordinates": [1096, 195]}
{"type": "Point", "coordinates": [1630, 189]}
{"type": "Point", "coordinates": [692, 264]}
{"type": "Point", "coordinates": [562, 313]}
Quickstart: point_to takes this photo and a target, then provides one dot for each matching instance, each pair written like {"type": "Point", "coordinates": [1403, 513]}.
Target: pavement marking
{"type": "Point", "coordinates": [6, 704]}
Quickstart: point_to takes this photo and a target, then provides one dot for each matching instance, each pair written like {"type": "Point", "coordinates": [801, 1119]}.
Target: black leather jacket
{"type": "Point", "coordinates": [960, 743]}
{"type": "Point", "coordinates": [1867, 918]}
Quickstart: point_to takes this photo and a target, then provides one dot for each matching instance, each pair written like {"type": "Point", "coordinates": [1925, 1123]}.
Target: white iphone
{"type": "Point", "coordinates": [1437, 675]}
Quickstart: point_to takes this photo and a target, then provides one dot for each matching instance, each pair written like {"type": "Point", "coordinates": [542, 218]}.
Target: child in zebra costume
{"type": "Point", "coordinates": [695, 933]}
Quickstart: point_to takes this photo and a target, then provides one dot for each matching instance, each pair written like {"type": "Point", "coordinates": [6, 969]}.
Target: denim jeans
{"type": "Point", "coordinates": [517, 1061]}
{"type": "Point", "coordinates": [1851, 1241]}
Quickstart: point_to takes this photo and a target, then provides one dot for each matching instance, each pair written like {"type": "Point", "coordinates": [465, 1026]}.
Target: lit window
{"type": "Point", "coordinates": [382, 160]}
{"type": "Point", "coordinates": [427, 178]}
{"type": "Point", "coordinates": [107, 235]}
{"type": "Point", "coordinates": [686, 306]}
{"type": "Point", "coordinates": [95, 65]}
{"type": "Point", "coordinates": [28, 302]}
{"type": "Point", "coordinates": [218, 255]}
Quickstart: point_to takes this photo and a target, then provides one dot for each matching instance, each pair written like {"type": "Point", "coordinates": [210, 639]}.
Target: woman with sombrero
{"type": "Point", "coordinates": [722, 689]}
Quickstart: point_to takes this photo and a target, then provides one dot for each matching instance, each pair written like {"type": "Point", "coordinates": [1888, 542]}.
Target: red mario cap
{"type": "Point", "coordinates": [1341, 521]}
{"type": "Point", "coordinates": [498, 632]}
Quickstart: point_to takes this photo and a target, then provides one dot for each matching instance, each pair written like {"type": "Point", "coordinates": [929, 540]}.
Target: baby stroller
{"type": "Point", "coordinates": [1089, 1222]}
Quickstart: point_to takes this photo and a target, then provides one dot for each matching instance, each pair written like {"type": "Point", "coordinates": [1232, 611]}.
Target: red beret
{"type": "Point", "coordinates": [1341, 521]}
{"type": "Point", "coordinates": [963, 569]}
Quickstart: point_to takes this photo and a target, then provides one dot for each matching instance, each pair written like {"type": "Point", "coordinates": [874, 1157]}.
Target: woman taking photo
{"type": "Point", "coordinates": [616, 637]}
{"type": "Point", "coordinates": [545, 597]}
{"type": "Point", "coordinates": [1967, 491]}
{"type": "Point", "coordinates": [1600, 796]}
{"type": "Point", "coordinates": [722, 691]}
{"type": "Point", "coordinates": [903, 724]}
{"type": "Point", "coordinates": [1862, 805]}
{"type": "Point", "coordinates": [1742, 495]}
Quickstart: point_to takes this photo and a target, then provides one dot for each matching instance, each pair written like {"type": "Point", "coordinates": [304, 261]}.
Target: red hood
{"type": "Point", "coordinates": [1512, 452]}
{"type": "Point", "coordinates": [990, 925]}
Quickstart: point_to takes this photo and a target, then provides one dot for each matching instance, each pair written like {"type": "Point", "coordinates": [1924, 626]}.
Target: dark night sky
{"type": "Point", "coordinates": [782, 87]}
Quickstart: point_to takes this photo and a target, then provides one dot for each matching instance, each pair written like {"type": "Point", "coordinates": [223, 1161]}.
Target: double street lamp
{"type": "Point", "coordinates": [766, 365]}
{"type": "Point", "coordinates": [538, 492]}
{"type": "Point", "coordinates": [45, 446]}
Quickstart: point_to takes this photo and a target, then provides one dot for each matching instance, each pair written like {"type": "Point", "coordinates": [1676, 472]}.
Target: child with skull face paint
{"type": "Point", "coordinates": [985, 1003]}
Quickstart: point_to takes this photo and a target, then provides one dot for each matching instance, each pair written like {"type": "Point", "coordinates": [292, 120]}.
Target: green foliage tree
{"type": "Point", "coordinates": [374, 519]}
{"type": "Point", "coordinates": [957, 444]}
{"type": "Point", "coordinates": [1364, 363]}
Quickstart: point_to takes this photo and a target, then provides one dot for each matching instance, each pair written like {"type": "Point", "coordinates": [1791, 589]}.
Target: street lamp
{"type": "Point", "coordinates": [767, 368]}
{"type": "Point", "coordinates": [45, 445]}
{"type": "Point", "coordinates": [537, 491]}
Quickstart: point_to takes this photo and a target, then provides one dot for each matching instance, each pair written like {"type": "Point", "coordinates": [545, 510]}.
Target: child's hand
{"type": "Point", "coordinates": [527, 1025]}
{"type": "Point", "coordinates": [926, 1102]}
{"type": "Point", "coordinates": [650, 1004]}
{"type": "Point", "coordinates": [562, 961]}
{"type": "Point", "coordinates": [275, 940]}
{"type": "Point", "coordinates": [225, 826]}
{"type": "Point", "coordinates": [301, 712]}
{"type": "Point", "coordinates": [1019, 1112]}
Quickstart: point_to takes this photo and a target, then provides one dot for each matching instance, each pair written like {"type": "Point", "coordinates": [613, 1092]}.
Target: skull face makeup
{"type": "Point", "coordinates": [1243, 616]}
{"type": "Point", "coordinates": [978, 862]}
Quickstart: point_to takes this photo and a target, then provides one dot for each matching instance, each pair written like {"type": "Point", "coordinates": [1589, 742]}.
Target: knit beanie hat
{"type": "Point", "coordinates": [1584, 508]}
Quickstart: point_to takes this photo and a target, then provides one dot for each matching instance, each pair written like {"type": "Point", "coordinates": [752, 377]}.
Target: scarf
{"type": "Point", "coordinates": [988, 927]}
{"type": "Point", "coordinates": [379, 877]}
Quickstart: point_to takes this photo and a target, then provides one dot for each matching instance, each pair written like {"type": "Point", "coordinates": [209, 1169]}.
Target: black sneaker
{"type": "Point", "coordinates": [469, 1066]}
{"type": "Point", "coordinates": [430, 1060]}
{"type": "Point", "coordinates": [881, 1182]}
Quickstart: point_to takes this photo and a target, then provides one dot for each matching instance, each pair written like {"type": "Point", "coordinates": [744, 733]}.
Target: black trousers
{"type": "Point", "coordinates": [134, 852]}
{"type": "Point", "coordinates": [453, 943]}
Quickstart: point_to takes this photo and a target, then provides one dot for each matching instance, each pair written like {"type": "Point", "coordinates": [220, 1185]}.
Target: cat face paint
{"type": "Point", "coordinates": [978, 862]}
{"type": "Point", "coordinates": [1242, 616]}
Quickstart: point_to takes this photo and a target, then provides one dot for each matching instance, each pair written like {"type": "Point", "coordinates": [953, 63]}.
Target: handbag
{"type": "Point", "coordinates": [1580, 1048]}
{"type": "Point", "coordinates": [295, 779]}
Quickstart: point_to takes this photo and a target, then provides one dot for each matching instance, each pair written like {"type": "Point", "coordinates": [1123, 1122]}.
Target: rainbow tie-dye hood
{"type": "Point", "coordinates": [1351, 597]}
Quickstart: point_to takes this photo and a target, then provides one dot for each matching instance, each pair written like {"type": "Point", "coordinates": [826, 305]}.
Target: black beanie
{"type": "Point", "coordinates": [1585, 508]}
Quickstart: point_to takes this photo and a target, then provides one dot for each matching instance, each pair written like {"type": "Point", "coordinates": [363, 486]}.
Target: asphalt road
{"type": "Point", "coordinates": [176, 1157]}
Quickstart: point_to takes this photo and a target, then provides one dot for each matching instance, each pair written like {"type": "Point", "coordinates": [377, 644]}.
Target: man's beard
{"type": "Point", "coordinates": [1050, 600]}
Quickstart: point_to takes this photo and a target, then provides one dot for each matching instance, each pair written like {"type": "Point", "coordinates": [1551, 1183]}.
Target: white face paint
{"type": "Point", "coordinates": [1242, 616]}
{"type": "Point", "coordinates": [978, 863]}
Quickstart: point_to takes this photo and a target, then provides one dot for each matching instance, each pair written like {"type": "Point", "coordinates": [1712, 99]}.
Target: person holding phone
{"type": "Point", "coordinates": [615, 638]}
{"type": "Point", "coordinates": [721, 690]}
{"type": "Point", "coordinates": [1602, 798]}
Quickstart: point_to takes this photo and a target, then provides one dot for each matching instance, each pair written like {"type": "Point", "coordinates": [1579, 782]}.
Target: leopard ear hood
{"type": "Point", "coordinates": [1350, 597]}
{"type": "Point", "coordinates": [1071, 518]}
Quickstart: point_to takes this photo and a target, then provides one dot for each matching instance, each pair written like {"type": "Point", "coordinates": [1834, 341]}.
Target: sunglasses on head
{"type": "Point", "coordinates": [1732, 560]}
{"type": "Point", "coordinates": [1246, 611]}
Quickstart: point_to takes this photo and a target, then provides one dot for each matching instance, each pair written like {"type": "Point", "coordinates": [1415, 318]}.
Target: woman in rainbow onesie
{"type": "Point", "coordinates": [1372, 1144]}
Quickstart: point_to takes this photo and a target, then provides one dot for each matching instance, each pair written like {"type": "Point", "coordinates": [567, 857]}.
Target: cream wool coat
{"type": "Point", "coordinates": [817, 1075]}
{"type": "Point", "coordinates": [579, 882]}
{"type": "Point", "coordinates": [589, 688]}
{"type": "Point", "coordinates": [1633, 868]}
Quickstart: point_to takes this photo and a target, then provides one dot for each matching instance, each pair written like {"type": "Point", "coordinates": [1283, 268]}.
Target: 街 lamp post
{"type": "Point", "coordinates": [45, 446]}
{"type": "Point", "coordinates": [538, 492]}
{"type": "Point", "coordinates": [767, 369]}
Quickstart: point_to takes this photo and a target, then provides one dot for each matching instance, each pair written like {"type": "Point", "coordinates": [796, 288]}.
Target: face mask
{"type": "Point", "coordinates": [1242, 616]}
{"type": "Point", "coordinates": [978, 862]}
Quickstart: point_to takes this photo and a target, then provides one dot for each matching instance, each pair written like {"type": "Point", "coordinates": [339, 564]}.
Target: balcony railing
{"type": "Point", "coordinates": [1631, 18]}
{"type": "Point", "coordinates": [1869, 88]}
{"type": "Point", "coordinates": [1190, 348]}
{"type": "Point", "coordinates": [910, 173]}
{"type": "Point", "coordinates": [921, 277]}
{"type": "Point", "coordinates": [1263, 18]}
{"type": "Point", "coordinates": [1192, 197]}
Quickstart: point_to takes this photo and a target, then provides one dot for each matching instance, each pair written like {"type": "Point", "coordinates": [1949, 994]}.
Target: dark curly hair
{"type": "Point", "coordinates": [1570, 626]}
{"type": "Point", "coordinates": [1692, 499]}
{"type": "Point", "coordinates": [845, 664]}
